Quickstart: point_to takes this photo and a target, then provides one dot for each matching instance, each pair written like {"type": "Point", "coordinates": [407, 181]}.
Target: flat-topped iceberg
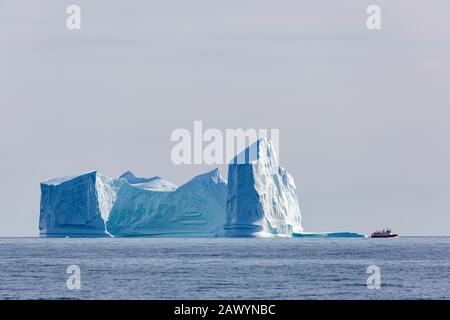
{"type": "Point", "coordinates": [328, 235]}
{"type": "Point", "coordinates": [76, 206]}
{"type": "Point", "coordinates": [95, 205]}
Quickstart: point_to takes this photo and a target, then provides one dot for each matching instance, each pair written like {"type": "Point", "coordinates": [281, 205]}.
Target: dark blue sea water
{"type": "Point", "coordinates": [282, 268]}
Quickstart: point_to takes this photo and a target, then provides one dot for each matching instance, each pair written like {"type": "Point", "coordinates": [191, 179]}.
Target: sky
{"type": "Point", "coordinates": [363, 115]}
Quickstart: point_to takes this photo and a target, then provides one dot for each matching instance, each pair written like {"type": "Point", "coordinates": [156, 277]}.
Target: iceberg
{"type": "Point", "coordinates": [76, 206]}
{"type": "Point", "coordinates": [196, 208]}
{"type": "Point", "coordinates": [262, 197]}
{"type": "Point", "coordinates": [328, 235]}
{"type": "Point", "coordinates": [259, 200]}
{"type": "Point", "coordinates": [95, 205]}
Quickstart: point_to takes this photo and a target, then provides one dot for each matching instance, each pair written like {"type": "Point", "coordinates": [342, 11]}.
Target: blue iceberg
{"type": "Point", "coordinates": [95, 205]}
{"type": "Point", "coordinates": [262, 197]}
{"type": "Point", "coordinates": [328, 235]}
{"type": "Point", "coordinates": [259, 200]}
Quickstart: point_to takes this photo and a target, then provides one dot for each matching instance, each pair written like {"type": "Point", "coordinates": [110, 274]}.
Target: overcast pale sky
{"type": "Point", "coordinates": [363, 115]}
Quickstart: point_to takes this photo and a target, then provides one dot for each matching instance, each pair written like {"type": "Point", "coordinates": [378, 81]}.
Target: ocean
{"type": "Point", "coordinates": [225, 268]}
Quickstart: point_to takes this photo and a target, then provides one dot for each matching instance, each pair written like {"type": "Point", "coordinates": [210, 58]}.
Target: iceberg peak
{"type": "Point", "coordinates": [131, 178]}
{"type": "Point", "coordinates": [261, 151]}
{"type": "Point", "coordinates": [155, 183]}
{"type": "Point", "coordinates": [262, 197]}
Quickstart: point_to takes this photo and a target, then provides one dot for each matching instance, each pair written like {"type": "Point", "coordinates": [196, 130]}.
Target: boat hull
{"type": "Point", "coordinates": [386, 236]}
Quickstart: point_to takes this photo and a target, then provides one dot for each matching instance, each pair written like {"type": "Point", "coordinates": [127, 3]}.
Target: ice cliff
{"type": "Point", "coordinates": [262, 197]}
{"type": "Point", "coordinates": [77, 206]}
